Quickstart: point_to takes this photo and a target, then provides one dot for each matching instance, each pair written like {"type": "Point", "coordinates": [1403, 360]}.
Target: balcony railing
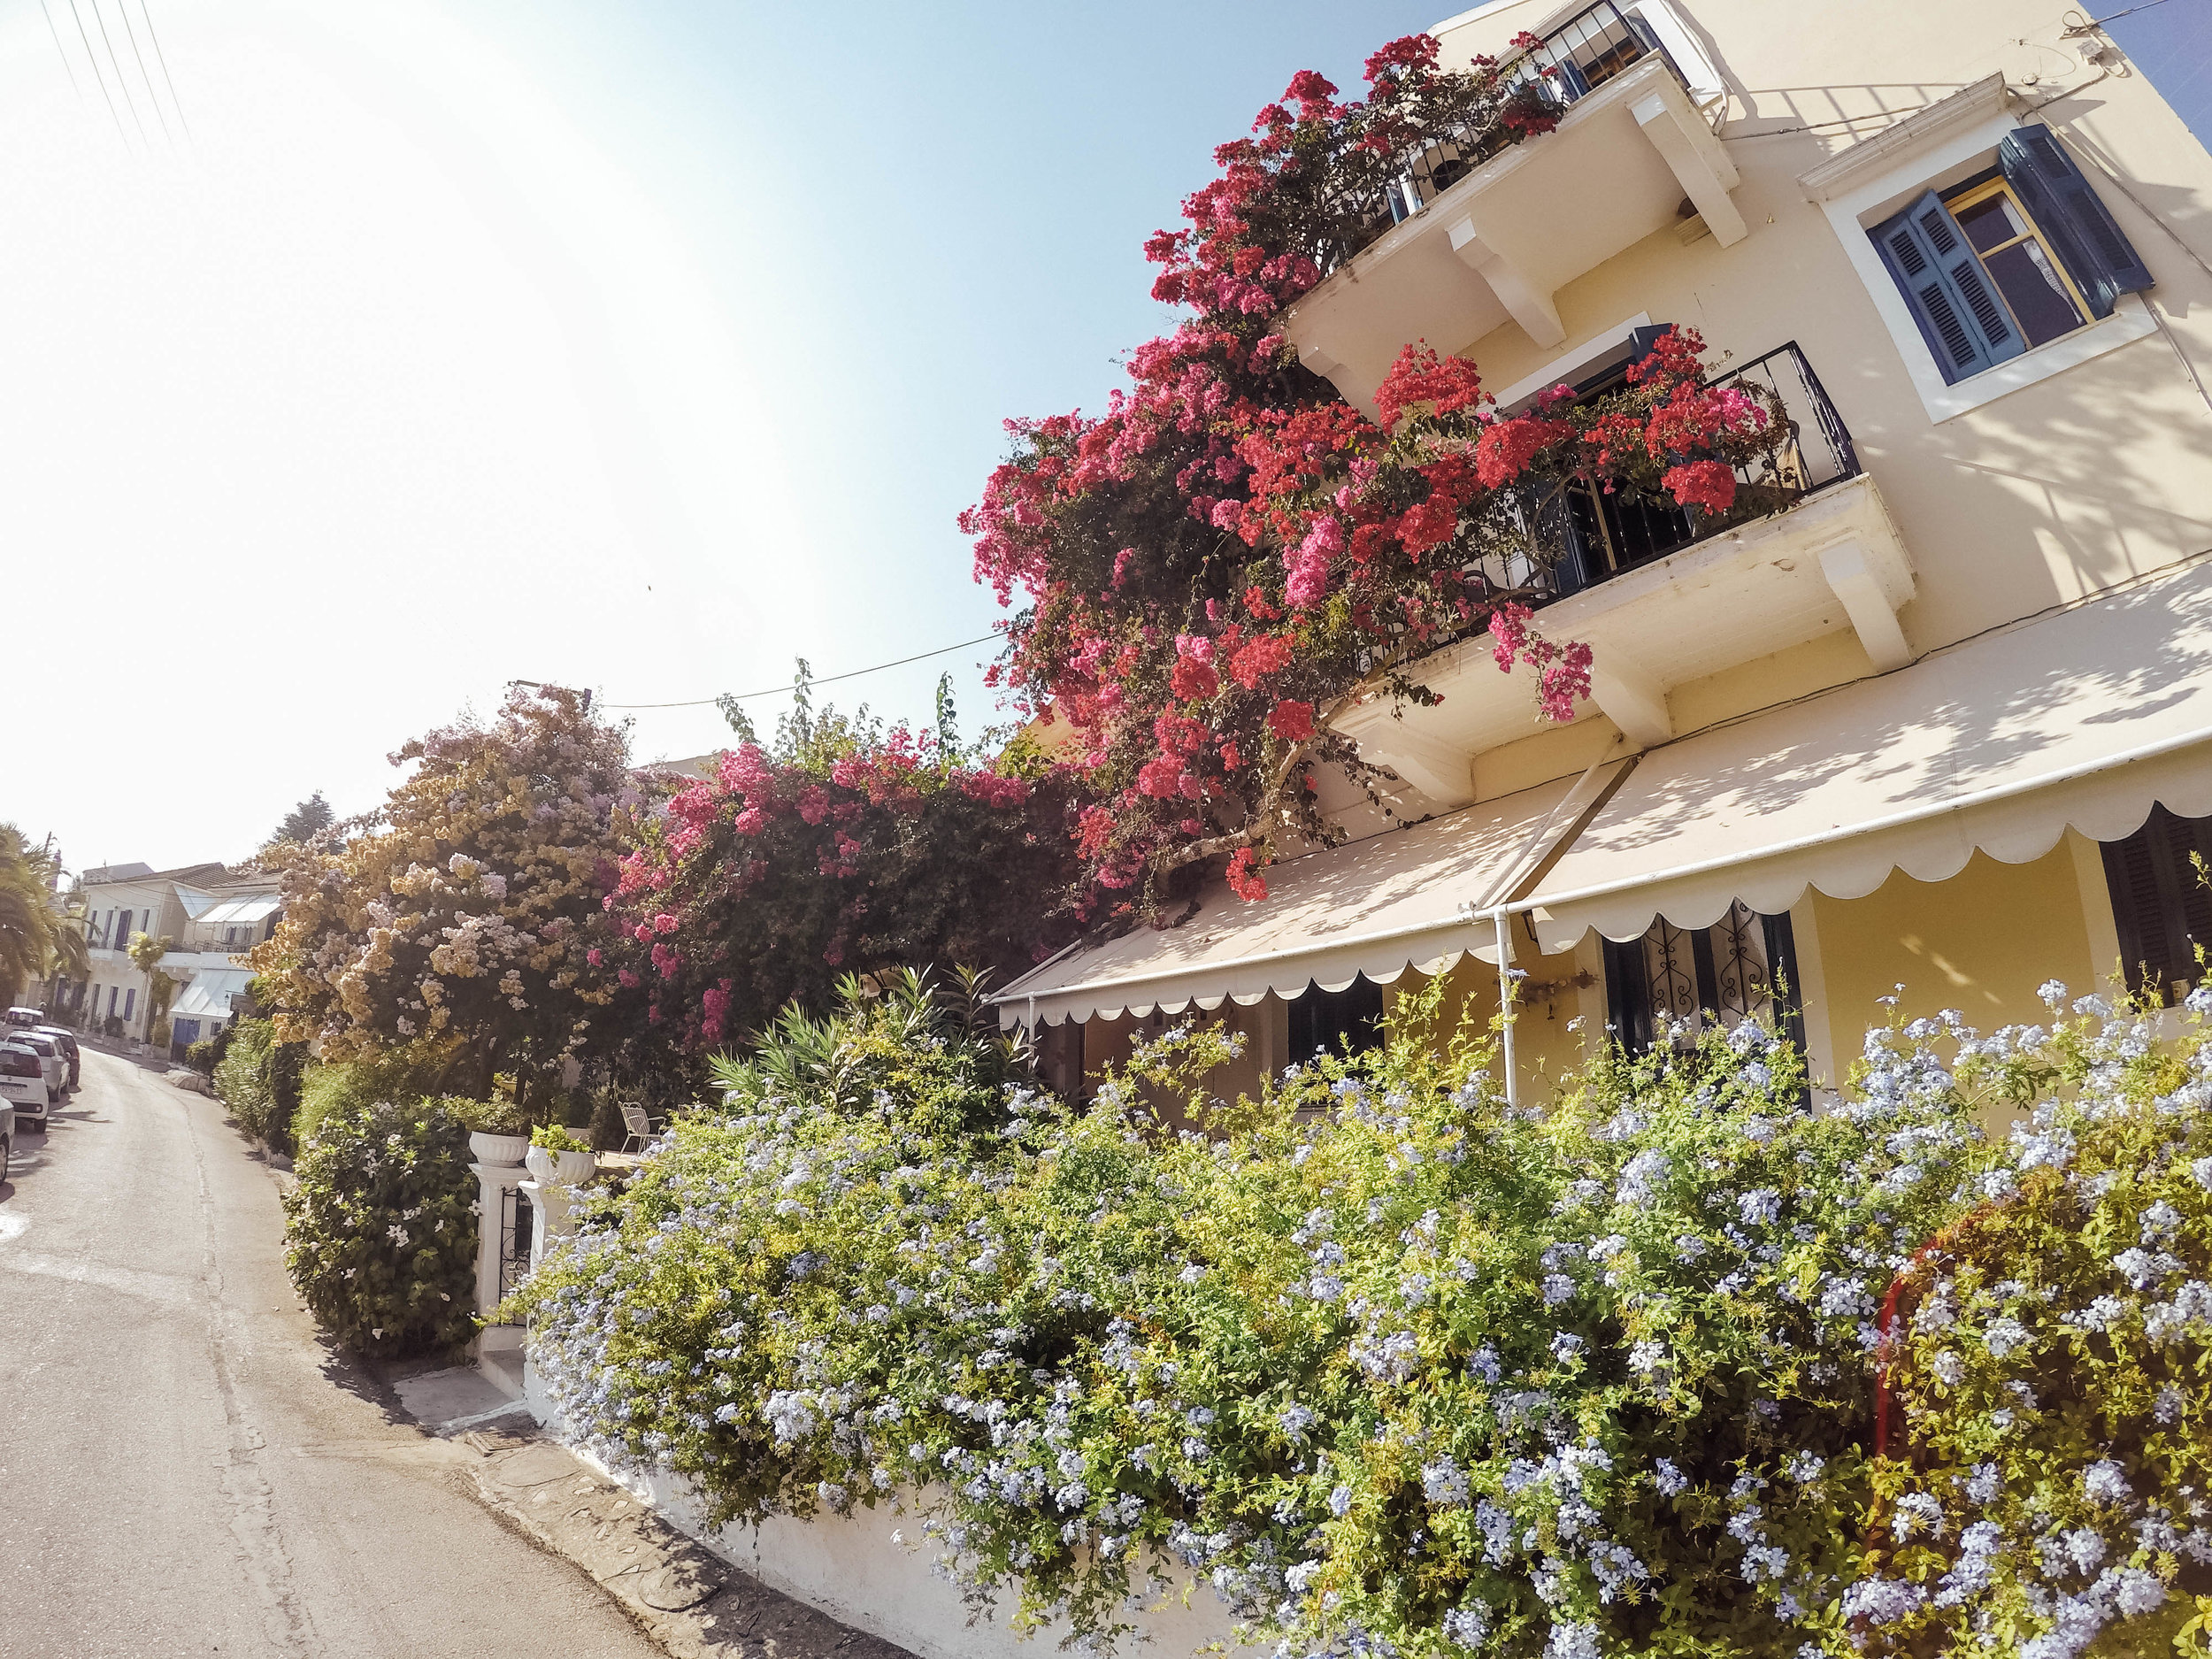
{"type": "Point", "coordinates": [1580, 55]}
{"type": "Point", "coordinates": [1593, 535]}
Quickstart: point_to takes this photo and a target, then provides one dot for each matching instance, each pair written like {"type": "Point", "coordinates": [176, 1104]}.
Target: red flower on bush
{"type": "Point", "coordinates": [1706, 484]}
{"type": "Point", "coordinates": [1290, 720]}
{"type": "Point", "coordinates": [1245, 880]}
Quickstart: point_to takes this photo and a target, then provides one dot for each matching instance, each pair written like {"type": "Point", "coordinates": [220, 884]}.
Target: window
{"type": "Point", "coordinates": [1336, 1021]}
{"type": "Point", "coordinates": [2161, 906]}
{"type": "Point", "coordinates": [2009, 260]}
{"type": "Point", "coordinates": [1743, 967]}
{"type": "Point", "coordinates": [130, 1002]}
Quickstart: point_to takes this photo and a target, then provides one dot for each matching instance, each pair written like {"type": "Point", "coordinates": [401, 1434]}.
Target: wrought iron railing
{"type": "Point", "coordinates": [1580, 537]}
{"type": "Point", "coordinates": [1576, 57]}
{"type": "Point", "coordinates": [516, 1215]}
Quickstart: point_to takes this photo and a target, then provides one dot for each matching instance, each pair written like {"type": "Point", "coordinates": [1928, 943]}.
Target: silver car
{"type": "Point", "coordinates": [23, 1084]}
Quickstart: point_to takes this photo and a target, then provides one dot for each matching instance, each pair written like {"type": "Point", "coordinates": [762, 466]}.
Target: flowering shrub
{"type": "Point", "coordinates": [455, 920]}
{"type": "Point", "coordinates": [838, 847]}
{"type": "Point", "coordinates": [1229, 558]}
{"type": "Point", "coordinates": [2051, 1361]}
{"type": "Point", "coordinates": [1398, 1372]}
{"type": "Point", "coordinates": [380, 1231]}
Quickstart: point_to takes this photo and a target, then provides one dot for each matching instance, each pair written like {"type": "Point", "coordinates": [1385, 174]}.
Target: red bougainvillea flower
{"type": "Point", "coordinates": [1290, 720]}
{"type": "Point", "coordinates": [1245, 880]}
{"type": "Point", "coordinates": [1706, 484]}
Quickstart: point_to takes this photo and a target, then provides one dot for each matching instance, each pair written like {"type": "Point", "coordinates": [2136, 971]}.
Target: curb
{"type": "Point", "coordinates": [694, 1604]}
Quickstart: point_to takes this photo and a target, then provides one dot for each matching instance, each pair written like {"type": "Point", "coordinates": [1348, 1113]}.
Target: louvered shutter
{"type": "Point", "coordinates": [2159, 908]}
{"type": "Point", "coordinates": [1959, 313]}
{"type": "Point", "coordinates": [2071, 215]}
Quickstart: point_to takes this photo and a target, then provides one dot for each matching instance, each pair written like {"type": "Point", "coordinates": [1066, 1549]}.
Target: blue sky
{"type": "Point", "coordinates": [2171, 42]}
{"type": "Point", "coordinates": [644, 347]}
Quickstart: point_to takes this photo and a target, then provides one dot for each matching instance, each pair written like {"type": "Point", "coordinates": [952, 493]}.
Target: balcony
{"type": "Point", "coordinates": [1664, 597]}
{"type": "Point", "coordinates": [1469, 236]}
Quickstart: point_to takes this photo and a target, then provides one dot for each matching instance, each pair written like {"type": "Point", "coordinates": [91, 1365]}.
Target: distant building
{"type": "Point", "coordinates": [212, 914]}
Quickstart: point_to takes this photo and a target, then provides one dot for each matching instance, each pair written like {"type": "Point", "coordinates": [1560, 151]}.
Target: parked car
{"type": "Point", "coordinates": [51, 1061]}
{"type": "Point", "coordinates": [66, 1039]}
{"type": "Point", "coordinates": [23, 1084]}
{"type": "Point", "coordinates": [27, 1017]}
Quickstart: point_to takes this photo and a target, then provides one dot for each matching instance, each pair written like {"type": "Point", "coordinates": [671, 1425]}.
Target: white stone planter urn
{"type": "Point", "coordinates": [561, 1169]}
{"type": "Point", "coordinates": [499, 1150]}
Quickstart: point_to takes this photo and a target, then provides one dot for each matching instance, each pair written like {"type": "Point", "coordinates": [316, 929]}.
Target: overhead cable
{"type": "Point", "coordinates": [93, 58]}
{"type": "Point", "coordinates": [161, 57]}
{"type": "Point", "coordinates": [826, 680]}
{"type": "Point", "coordinates": [68, 68]}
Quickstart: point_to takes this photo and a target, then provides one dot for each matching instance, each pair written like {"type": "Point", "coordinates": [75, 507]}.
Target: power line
{"type": "Point", "coordinates": [130, 102]}
{"type": "Point", "coordinates": [93, 58]}
{"type": "Point", "coordinates": [176, 102]}
{"type": "Point", "coordinates": [2098, 23]}
{"type": "Point", "coordinates": [827, 679]}
{"type": "Point", "coordinates": [153, 96]}
{"type": "Point", "coordinates": [67, 68]}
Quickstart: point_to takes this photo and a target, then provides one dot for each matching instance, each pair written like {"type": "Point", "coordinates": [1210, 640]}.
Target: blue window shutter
{"type": "Point", "coordinates": [1959, 316]}
{"type": "Point", "coordinates": [2080, 229]}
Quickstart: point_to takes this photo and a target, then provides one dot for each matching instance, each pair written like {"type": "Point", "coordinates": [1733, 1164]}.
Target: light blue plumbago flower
{"type": "Point", "coordinates": [2168, 1408]}
{"type": "Point", "coordinates": [1803, 1467]}
{"type": "Point", "coordinates": [1669, 1480]}
{"type": "Point", "coordinates": [2105, 1482]}
{"type": "Point", "coordinates": [1983, 1483]}
{"type": "Point", "coordinates": [1340, 1502]}
{"type": "Point", "coordinates": [2001, 1336]}
{"type": "Point", "coordinates": [1558, 1288]}
{"type": "Point", "coordinates": [1689, 1247]}
{"type": "Point", "coordinates": [1917, 1513]}
{"type": "Point", "coordinates": [1881, 1600]}
{"type": "Point", "coordinates": [1468, 1625]}
{"type": "Point", "coordinates": [1444, 1483]}
{"type": "Point", "coordinates": [1760, 1207]}
{"type": "Point", "coordinates": [2160, 1221]}
{"type": "Point", "coordinates": [1574, 1642]}
{"type": "Point", "coordinates": [1295, 1420]}
{"type": "Point", "coordinates": [1484, 1362]}
{"type": "Point", "coordinates": [2052, 992]}
{"type": "Point", "coordinates": [1566, 1345]}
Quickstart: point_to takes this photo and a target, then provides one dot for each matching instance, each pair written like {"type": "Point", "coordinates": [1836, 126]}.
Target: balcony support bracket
{"type": "Point", "coordinates": [1695, 158]}
{"type": "Point", "coordinates": [1870, 602]}
{"type": "Point", "coordinates": [1632, 699]}
{"type": "Point", "coordinates": [1441, 770]}
{"type": "Point", "coordinates": [1528, 304]}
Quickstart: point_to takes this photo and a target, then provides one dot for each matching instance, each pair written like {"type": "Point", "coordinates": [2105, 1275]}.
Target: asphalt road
{"type": "Point", "coordinates": [185, 1466]}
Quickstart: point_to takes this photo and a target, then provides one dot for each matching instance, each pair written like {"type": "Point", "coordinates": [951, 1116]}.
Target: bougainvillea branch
{"type": "Point", "coordinates": [1214, 571]}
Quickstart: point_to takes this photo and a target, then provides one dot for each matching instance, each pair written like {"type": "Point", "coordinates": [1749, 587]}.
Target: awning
{"type": "Point", "coordinates": [2085, 718]}
{"type": "Point", "coordinates": [209, 994]}
{"type": "Point", "coordinates": [233, 912]}
{"type": "Point", "coordinates": [1376, 907]}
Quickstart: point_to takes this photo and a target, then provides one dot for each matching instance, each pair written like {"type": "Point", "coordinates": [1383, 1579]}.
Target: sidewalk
{"type": "Point", "coordinates": [692, 1603]}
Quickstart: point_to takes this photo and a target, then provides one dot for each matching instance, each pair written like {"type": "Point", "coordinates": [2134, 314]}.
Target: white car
{"type": "Point", "coordinates": [23, 1084]}
{"type": "Point", "coordinates": [53, 1058]}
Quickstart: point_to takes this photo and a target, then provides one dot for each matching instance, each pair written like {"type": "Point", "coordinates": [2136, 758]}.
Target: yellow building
{"type": "Point", "coordinates": [1944, 720]}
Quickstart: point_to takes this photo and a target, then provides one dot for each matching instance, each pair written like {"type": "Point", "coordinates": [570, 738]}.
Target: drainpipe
{"type": "Point", "coordinates": [1505, 1000]}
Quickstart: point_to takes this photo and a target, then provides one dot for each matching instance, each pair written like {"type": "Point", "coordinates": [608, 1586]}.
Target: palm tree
{"type": "Point", "coordinates": [146, 955]}
{"type": "Point", "coordinates": [40, 936]}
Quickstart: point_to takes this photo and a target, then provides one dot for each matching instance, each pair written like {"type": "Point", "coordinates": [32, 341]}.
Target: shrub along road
{"type": "Point", "coordinates": [184, 1465]}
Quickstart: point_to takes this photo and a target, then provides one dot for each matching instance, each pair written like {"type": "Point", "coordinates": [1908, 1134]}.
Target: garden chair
{"type": "Point", "coordinates": [641, 1129]}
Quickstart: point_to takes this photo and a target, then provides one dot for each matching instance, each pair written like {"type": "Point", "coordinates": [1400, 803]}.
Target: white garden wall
{"type": "Point", "coordinates": [852, 1569]}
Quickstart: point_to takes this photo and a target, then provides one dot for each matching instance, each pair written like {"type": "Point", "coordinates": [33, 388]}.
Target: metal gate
{"type": "Point", "coordinates": [517, 1218]}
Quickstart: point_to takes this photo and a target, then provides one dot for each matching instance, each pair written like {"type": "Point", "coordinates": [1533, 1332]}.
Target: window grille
{"type": "Point", "coordinates": [1671, 980]}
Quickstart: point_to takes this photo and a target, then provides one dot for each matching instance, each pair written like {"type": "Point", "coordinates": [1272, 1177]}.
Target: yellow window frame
{"type": "Point", "coordinates": [1957, 205]}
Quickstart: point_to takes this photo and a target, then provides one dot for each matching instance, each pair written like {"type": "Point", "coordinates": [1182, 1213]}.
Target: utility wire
{"type": "Point", "coordinates": [92, 57]}
{"type": "Point", "coordinates": [153, 96]}
{"type": "Point", "coordinates": [160, 58]}
{"type": "Point", "coordinates": [2098, 23]}
{"type": "Point", "coordinates": [826, 680]}
{"type": "Point", "coordinates": [124, 86]}
{"type": "Point", "coordinates": [68, 67]}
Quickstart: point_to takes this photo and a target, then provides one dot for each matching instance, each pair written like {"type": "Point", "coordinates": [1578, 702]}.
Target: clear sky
{"type": "Point", "coordinates": [642, 347]}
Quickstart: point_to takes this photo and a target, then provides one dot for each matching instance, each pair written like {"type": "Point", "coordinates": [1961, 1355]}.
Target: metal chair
{"type": "Point", "coordinates": [641, 1128]}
